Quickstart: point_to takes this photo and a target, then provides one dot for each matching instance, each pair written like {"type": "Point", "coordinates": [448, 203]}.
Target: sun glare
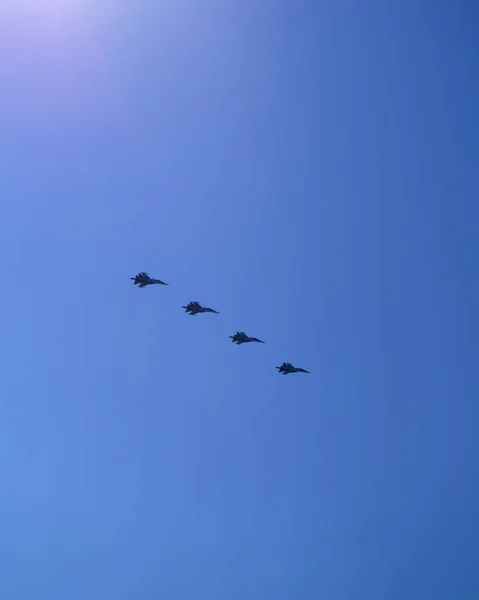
{"type": "Point", "coordinates": [61, 57]}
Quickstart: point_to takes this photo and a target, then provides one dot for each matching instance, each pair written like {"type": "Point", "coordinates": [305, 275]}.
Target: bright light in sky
{"type": "Point", "coordinates": [62, 48]}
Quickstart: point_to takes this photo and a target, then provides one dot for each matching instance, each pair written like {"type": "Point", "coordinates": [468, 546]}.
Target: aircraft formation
{"type": "Point", "coordinates": [194, 308]}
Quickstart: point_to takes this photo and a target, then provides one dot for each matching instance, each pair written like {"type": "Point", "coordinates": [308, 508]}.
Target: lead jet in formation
{"type": "Point", "coordinates": [286, 368]}
{"type": "Point", "coordinates": [143, 279]}
{"type": "Point", "coordinates": [240, 337]}
{"type": "Point", "coordinates": [193, 308]}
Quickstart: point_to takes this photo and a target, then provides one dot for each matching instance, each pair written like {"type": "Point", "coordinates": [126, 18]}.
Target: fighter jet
{"type": "Point", "coordinates": [143, 279]}
{"type": "Point", "coordinates": [240, 337]}
{"type": "Point", "coordinates": [286, 368]}
{"type": "Point", "coordinates": [193, 308]}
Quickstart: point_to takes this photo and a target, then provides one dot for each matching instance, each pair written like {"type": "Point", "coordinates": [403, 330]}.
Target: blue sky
{"type": "Point", "coordinates": [307, 168]}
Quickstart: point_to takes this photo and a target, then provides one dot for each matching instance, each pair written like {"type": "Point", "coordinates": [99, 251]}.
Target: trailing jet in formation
{"type": "Point", "coordinates": [143, 279]}
{"type": "Point", "coordinates": [193, 308]}
{"type": "Point", "coordinates": [240, 337]}
{"type": "Point", "coordinates": [286, 368]}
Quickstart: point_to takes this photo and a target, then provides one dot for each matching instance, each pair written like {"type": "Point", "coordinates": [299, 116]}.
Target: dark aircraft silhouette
{"type": "Point", "coordinates": [286, 368]}
{"type": "Point", "coordinates": [193, 308]}
{"type": "Point", "coordinates": [143, 279]}
{"type": "Point", "coordinates": [240, 337]}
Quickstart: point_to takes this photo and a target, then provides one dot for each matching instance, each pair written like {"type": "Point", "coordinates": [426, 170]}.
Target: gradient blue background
{"type": "Point", "coordinates": [307, 168]}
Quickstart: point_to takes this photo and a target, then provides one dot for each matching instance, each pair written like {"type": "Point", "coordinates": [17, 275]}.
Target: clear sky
{"type": "Point", "coordinates": [307, 168]}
